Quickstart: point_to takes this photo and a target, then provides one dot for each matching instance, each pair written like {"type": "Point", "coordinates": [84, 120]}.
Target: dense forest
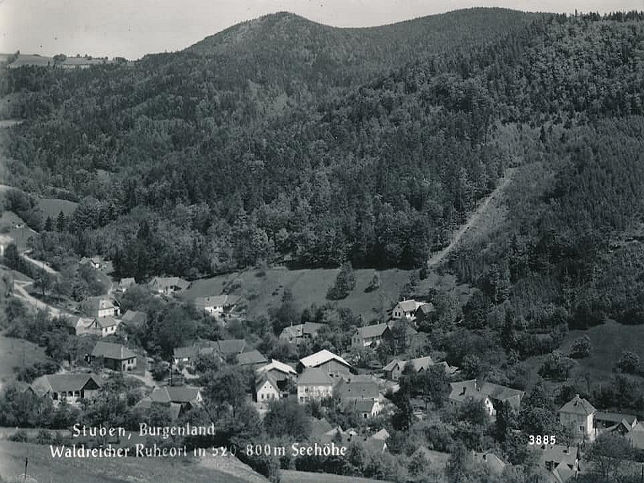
{"type": "Point", "coordinates": [360, 145]}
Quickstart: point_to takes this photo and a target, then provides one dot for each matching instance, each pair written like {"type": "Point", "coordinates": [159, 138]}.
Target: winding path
{"type": "Point", "coordinates": [438, 257]}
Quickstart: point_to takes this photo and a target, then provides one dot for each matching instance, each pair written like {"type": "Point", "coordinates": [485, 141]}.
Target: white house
{"type": "Point", "coordinates": [314, 384]}
{"type": "Point", "coordinates": [217, 305]}
{"type": "Point", "coordinates": [579, 415]}
{"type": "Point", "coordinates": [370, 335]}
{"type": "Point", "coordinates": [405, 308]}
{"type": "Point", "coordinates": [101, 326]}
{"type": "Point", "coordinates": [67, 387]}
{"type": "Point", "coordinates": [267, 389]}
{"type": "Point", "coordinates": [101, 307]}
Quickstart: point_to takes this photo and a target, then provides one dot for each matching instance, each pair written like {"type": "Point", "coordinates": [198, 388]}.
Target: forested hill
{"type": "Point", "coordinates": [368, 145]}
{"type": "Point", "coordinates": [285, 49]}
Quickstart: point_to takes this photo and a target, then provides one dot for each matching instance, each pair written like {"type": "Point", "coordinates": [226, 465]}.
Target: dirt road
{"type": "Point", "coordinates": [21, 292]}
{"type": "Point", "coordinates": [437, 258]}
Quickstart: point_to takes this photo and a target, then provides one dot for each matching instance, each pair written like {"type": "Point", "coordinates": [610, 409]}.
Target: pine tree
{"type": "Point", "coordinates": [61, 222]}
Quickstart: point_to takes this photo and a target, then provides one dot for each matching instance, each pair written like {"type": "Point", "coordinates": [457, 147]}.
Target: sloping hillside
{"type": "Point", "coordinates": [43, 468]}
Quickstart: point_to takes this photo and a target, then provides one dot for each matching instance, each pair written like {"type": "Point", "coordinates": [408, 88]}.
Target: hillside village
{"type": "Point", "coordinates": [352, 383]}
{"type": "Point", "coordinates": [421, 242]}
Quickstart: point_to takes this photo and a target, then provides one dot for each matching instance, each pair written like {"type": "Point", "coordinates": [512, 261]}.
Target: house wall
{"type": "Point", "coordinates": [267, 393]}
{"type": "Point", "coordinates": [582, 426]}
{"type": "Point", "coordinates": [308, 392]}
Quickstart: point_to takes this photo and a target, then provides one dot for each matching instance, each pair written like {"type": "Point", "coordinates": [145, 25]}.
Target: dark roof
{"type": "Point", "coordinates": [104, 322]}
{"type": "Point", "coordinates": [360, 405]}
{"type": "Point", "coordinates": [578, 405]}
{"type": "Point", "coordinates": [370, 331]}
{"type": "Point", "coordinates": [64, 382]}
{"type": "Point", "coordinates": [615, 417]}
{"type": "Point", "coordinates": [175, 394]}
{"type": "Point", "coordinates": [251, 357]}
{"type": "Point", "coordinates": [112, 351]}
{"type": "Point", "coordinates": [358, 390]}
{"type": "Point", "coordinates": [314, 376]}
{"type": "Point", "coordinates": [134, 317]}
{"type": "Point", "coordinates": [230, 346]}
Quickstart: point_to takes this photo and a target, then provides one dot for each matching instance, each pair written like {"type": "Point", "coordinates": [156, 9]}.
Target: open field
{"type": "Point", "coordinates": [52, 207]}
{"type": "Point", "coordinates": [608, 342]}
{"type": "Point", "coordinates": [12, 352]}
{"type": "Point", "coordinates": [309, 286]}
{"type": "Point", "coordinates": [43, 468]}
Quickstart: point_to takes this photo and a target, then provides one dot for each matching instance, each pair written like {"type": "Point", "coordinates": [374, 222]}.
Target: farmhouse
{"type": "Point", "coordinates": [187, 354]}
{"type": "Point", "coordinates": [267, 389]}
{"type": "Point", "coordinates": [562, 461]}
{"type": "Point", "coordinates": [252, 358]}
{"type": "Point", "coordinates": [101, 326]}
{"type": "Point", "coordinates": [296, 334]}
{"type": "Point", "coordinates": [101, 307]}
{"type": "Point", "coordinates": [277, 370]}
{"type": "Point", "coordinates": [578, 415]}
{"type": "Point", "coordinates": [126, 283]}
{"type": "Point", "coordinates": [217, 305]}
{"type": "Point", "coordinates": [360, 395]}
{"type": "Point", "coordinates": [229, 347]}
{"type": "Point", "coordinates": [394, 369]}
{"type": "Point", "coordinates": [115, 356]}
{"type": "Point", "coordinates": [371, 335]}
{"type": "Point", "coordinates": [94, 262]}
{"type": "Point", "coordinates": [492, 395]}
{"type": "Point", "coordinates": [187, 396]}
{"type": "Point", "coordinates": [406, 309]}
{"type": "Point", "coordinates": [366, 408]}
{"type": "Point", "coordinates": [67, 387]}
{"type": "Point", "coordinates": [314, 384]}
{"type": "Point", "coordinates": [424, 311]}
{"type": "Point", "coordinates": [134, 318]}
{"type": "Point", "coordinates": [331, 364]}
{"type": "Point", "coordinates": [168, 285]}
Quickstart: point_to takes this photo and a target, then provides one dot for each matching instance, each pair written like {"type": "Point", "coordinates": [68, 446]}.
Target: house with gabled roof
{"type": "Point", "coordinates": [371, 335]}
{"type": "Point", "coordinates": [562, 461]}
{"type": "Point", "coordinates": [100, 326]}
{"type": "Point", "coordinates": [70, 388]}
{"type": "Point", "coordinates": [126, 283]}
{"type": "Point", "coordinates": [579, 416]}
{"type": "Point", "coordinates": [217, 305]}
{"type": "Point", "coordinates": [267, 389]}
{"type": "Point", "coordinates": [187, 396]}
{"type": "Point", "coordinates": [277, 370]}
{"type": "Point", "coordinates": [492, 462]}
{"type": "Point", "coordinates": [102, 306]}
{"type": "Point", "coordinates": [492, 395]}
{"type": "Point", "coordinates": [115, 356]}
{"type": "Point", "coordinates": [168, 285]}
{"type": "Point", "coordinates": [406, 309]}
{"type": "Point", "coordinates": [251, 358]}
{"type": "Point", "coordinates": [394, 368]}
{"type": "Point", "coordinates": [332, 364]}
{"type": "Point", "coordinates": [424, 311]}
{"type": "Point", "coordinates": [314, 383]}
{"type": "Point", "coordinates": [174, 409]}
{"type": "Point", "coordinates": [297, 334]}
{"type": "Point", "coordinates": [134, 318]}
{"type": "Point", "coordinates": [229, 347]}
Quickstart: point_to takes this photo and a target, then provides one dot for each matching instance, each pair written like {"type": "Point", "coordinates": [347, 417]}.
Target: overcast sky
{"type": "Point", "coordinates": [132, 28]}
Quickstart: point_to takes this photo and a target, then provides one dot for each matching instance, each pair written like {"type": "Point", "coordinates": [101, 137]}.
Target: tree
{"type": "Point", "coordinates": [12, 257]}
{"type": "Point", "coordinates": [629, 362]}
{"type": "Point", "coordinates": [581, 347]}
{"type": "Point", "coordinates": [374, 284]}
{"type": "Point", "coordinates": [608, 453]}
{"type": "Point", "coordinates": [345, 282]}
{"type": "Point", "coordinates": [49, 224]}
{"type": "Point", "coordinates": [287, 418]}
{"type": "Point", "coordinates": [556, 367]}
{"type": "Point", "coordinates": [226, 387]}
{"type": "Point", "coordinates": [61, 222]}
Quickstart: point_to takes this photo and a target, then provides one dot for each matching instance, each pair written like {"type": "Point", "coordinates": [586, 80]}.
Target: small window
{"type": "Point", "coordinates": [581, 428]}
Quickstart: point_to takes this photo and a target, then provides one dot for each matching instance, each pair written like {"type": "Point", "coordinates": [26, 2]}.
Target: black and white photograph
{"type": "Point", "coordinates": [321, 241]}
